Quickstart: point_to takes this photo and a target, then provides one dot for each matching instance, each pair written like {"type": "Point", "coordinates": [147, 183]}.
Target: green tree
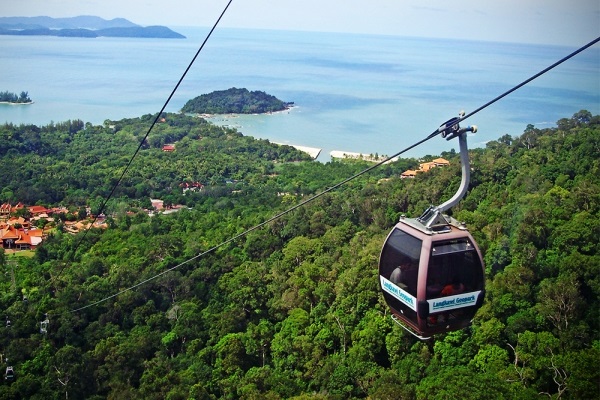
{"type": "Point", "coordinates": [463, 383]}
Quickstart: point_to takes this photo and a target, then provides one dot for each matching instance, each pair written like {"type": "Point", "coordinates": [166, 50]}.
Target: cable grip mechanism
{"type": "Point", "coordinates": [433, 218]}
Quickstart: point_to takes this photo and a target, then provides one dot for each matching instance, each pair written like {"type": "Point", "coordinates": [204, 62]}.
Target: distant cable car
{"type": "Point", "coordinates": [431, 272]}
{"type": "Point", "coordinates": [44, 325]}
{"type": "Point", "coordinates": [9, 374]}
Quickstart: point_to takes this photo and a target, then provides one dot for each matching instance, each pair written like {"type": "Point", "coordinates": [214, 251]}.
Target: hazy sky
{"type": "Point", "coordinates": [562, 22]}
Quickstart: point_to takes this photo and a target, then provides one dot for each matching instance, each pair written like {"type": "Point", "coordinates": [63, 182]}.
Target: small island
{"type": "Point", "coordinates": [12, 98]}
{"type": "Point", "coordinates": [235, 101]}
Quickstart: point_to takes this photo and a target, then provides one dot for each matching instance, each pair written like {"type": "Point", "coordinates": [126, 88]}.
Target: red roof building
{"type": "Point", "coordinates": [424, 167]}
{"type": "Point", "coordinates": [410, 173]}
{"type": "Point", "coordinates": [193, 186]}
{"type": "Point", "coordinates": [157, 204]}
{"type": "Point", "coordinates": [22, 222]}
{"type": "Point", "coordinates": [441, 162]}
{"type": "Point", "coordinates": [5, 210]}
{"type": "Point", "coordinates": [17, 239]}
{"type": "Point", "coordinates": [36, 210]}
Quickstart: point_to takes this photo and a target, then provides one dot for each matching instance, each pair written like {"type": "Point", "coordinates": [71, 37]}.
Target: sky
{"type": "Point", "coordinates": [558, 22]}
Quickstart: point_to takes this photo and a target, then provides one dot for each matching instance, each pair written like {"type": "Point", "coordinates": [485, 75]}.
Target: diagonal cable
{"type": "Point", "coordinates": [116, 185]}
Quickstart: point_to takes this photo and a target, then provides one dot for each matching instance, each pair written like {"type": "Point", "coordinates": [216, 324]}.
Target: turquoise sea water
{"type": "Point", "coordinates": [355, 93]}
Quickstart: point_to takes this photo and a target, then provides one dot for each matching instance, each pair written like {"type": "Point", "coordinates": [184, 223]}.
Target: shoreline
{"type": "Point", "coordinates": [11, 103]}
{"type": "Point", "coordinates": [361, 156]}
{"type": "Point", "coordinates": [314, 152]}
{"type": "Point", "coordinates": [237, 115]}
{"type": "Point", "coordinates": [224, 120]}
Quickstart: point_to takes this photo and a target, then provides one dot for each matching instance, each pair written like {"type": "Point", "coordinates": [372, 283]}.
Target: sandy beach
{"type": "Point", "coordinates": [312, 151]}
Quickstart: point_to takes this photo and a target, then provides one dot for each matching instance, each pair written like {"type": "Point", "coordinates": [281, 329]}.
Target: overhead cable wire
{"type": "Point", "coordinates": [526, 81]}
{"type": "Point", "coordinates": [343, 182]}
{"type": "Point", "coordinates": [116, 185]}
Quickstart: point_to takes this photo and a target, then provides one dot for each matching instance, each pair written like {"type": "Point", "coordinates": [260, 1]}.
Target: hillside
{"type": "Point", "coordinates": [92, 154]}
{"type": "Point", "coordinates": [82, 21]}
{"type": "Point", "coordinates": [82, 26]}
{"type": "Point", "coordinates": [293, 310]}
{"type": "Point", "coordinates": [235, 101]}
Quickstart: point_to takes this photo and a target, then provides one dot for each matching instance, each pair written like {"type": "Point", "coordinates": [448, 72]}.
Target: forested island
{"type": "Point", "coordinates": [235, 101]}
{"type": "Point", "coordinates": [9, 97]}
{"type": "Point", "coordinates": [82, 26]}
{"type": "Point", "coordinates": [293, 309]}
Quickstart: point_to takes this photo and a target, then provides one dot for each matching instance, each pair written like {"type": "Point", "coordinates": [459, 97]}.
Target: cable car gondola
{"type": "Point", "coordinates": [431, 272]}
{"type": "Point", "coordinates": [9, 374]}
{"type": "Point", "coordinates": [44, 325]}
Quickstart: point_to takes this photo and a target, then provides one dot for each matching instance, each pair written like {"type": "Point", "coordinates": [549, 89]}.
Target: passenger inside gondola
{"type": "Point", "coordinates": [403, 274]}
{"type": "Point", "coordinates": [453, 288]}
{"type": "Point", "coordinates": [396, 276]}
{"type": "Point", "coordinates": [434, 285]}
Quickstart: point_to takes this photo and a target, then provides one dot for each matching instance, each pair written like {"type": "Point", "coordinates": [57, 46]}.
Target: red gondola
{"type": "Point", "coordinates": [431, 271]}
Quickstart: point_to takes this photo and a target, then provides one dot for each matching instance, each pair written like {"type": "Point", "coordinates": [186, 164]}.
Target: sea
{"type": "Point", "coordinates": [370, 94]}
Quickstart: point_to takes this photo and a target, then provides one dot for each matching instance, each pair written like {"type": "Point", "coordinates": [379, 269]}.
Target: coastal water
{"type": "Point", "coordinates": [355, 93]}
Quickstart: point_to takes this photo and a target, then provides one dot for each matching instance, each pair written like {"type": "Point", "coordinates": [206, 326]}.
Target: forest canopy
{"type": "Point", "coordinates": [293, 309]}
{"type": "Point", "coordinates": [74, 163]}
{"type": "Point", "coordinates": [235, 101]}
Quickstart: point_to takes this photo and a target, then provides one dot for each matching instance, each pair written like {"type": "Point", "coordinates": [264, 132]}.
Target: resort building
{"type": "Point", "coordinates": [12, 238]}
{"type": "Point", "coordinates": [193, 186]}
{"type": "Point", "coordinates": [5, 210]}
{"type": "Point", "coordinates": [157, 204]}
{"type": "Point", "coordinates": [425, 167]}
{"type": "Point", "coordinates": [409, 173]}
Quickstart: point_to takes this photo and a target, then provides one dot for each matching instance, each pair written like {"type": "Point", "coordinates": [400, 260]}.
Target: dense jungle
{"type": "Point", "coordinates": [291, 310]}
